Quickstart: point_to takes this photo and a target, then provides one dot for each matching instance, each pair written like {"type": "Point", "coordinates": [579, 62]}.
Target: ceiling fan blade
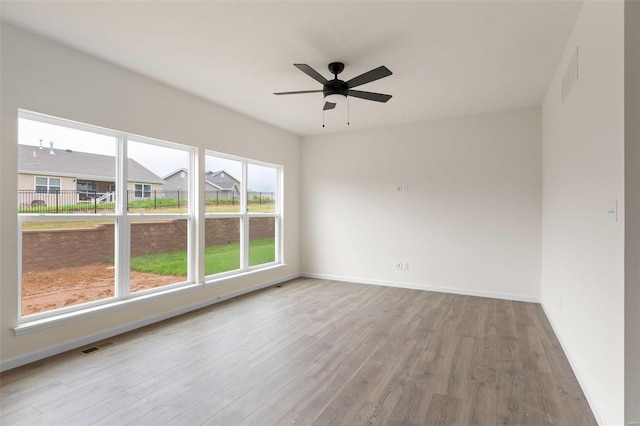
{"type": "Point", "coordinates": [370, 96]}
{"type": "Point", "coordinates": [298, 92]}
{"type": "Point", "coordinates": [367, 77]}
{"type": "Point", "coordinates": [328, 105]}
{"type": "Point", "coordinates": [311, 73]}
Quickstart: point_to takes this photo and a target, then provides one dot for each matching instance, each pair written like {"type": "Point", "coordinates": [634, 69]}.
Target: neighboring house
{"type": "Point", "coordinates": [226, 185]}
{"type": "Point", "coordinates": [45, 175]}
{"type": "Point", "coordinates": [218, 184]}
{"type": "Point", "coordinates": [176, 184]}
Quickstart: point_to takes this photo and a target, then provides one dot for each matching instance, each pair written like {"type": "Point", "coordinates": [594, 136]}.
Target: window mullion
{"type": "Point", "coordinates": [123, 223]}
{"type": "Point", "coordinates": [244, 221]}
{"type": "Point", "coordinates": [197, 217]}
{"type": "Point", "coordinates": [279, 208]}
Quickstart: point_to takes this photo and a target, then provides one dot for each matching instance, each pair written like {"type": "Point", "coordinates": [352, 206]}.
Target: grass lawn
{"type": "Point", "coordinates": [220, 258]}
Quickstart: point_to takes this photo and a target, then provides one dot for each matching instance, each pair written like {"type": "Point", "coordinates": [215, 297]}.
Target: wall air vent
{"type": "Point", "coordinates": [570, 76]}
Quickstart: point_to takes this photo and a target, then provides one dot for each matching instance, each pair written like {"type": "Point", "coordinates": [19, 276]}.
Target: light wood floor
{"type": "Point", "coordinates": [315, 352]}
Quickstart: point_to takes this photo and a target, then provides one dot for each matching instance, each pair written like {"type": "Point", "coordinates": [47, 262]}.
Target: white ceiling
{"type": "Point", "coordinates": [448, 58]}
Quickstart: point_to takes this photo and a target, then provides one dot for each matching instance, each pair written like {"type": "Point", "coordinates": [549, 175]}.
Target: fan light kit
{"type": "Point", "coordinates": [336, 98]}
{"type": "Point", "coordinates": [337, 91]}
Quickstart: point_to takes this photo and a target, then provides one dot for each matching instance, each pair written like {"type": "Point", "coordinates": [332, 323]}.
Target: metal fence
{"type": "Point", "coordinates": [69, 201]}
{"type": "Point", "coordinates": [65, 201]}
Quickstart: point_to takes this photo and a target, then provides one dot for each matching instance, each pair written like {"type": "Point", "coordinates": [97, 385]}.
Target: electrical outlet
{"type": "Point", "coordinates": [401, 266]}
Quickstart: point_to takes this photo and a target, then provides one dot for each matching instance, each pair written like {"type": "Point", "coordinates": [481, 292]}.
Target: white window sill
{"type": "Point", "coordinates": [226, 277]}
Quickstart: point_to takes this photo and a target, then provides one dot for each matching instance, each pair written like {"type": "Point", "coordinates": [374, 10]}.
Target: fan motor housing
{"type": "Point", "coordinates": [335, 87]}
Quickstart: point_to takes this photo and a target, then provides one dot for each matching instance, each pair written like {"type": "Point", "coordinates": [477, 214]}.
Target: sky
{"type": "Point", "coordinates": [160, 160]}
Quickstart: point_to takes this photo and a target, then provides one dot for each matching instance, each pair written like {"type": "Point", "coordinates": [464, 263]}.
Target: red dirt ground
{"type": "Point", "coordinates": [57, 288]}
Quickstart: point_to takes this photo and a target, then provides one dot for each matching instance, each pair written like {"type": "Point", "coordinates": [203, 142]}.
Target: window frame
{"type": "Point", "coordinates": [195, 215]}
{"type": "Point", "coordinates": [144, 193]}
{"type": "Point", "coordinates": [122, 222]}
{"type": "Point", "coordinates": [244, 216]}
{"type": "Point", "coordinates": [49, 188]}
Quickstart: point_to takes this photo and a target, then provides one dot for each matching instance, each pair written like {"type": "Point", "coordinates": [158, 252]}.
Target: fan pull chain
{"type": "Point", "coordinates": [348, 110]}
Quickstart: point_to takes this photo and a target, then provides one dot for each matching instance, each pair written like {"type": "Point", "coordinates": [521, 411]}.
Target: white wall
{"type": "Point", "coordinates": [632, 212]}
{"type": "Point", "coordinates": [582, 247]}
{"type": "Point", "coordinates": [45, 77]}
{"type": "Point", "coordinates": [469, 223]}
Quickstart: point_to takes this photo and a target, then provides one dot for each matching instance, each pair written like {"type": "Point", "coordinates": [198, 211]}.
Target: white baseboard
{"type": "Point", "coordinates": [105, 334]}
{"type": "Point", "coordinates": [417, 286]}
{"type": "Point", "coordinates": [597, 413]}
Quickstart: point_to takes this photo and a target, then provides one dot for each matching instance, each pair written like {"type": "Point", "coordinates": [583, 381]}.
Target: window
{"type": "Point", "coordinates": [47, 185]}
{"type": "Point", "coordinates": [119, 235]}
{"type": "Point", "coordinates": [87, 191]}
{"type": "Point", "coordinates": [242, 214]}
{"type": "Point", "coordinates": [67, 244]}
{"type": "Point", "coordinates": [142, 190]}
{"type": "Point", "coordinates": [159, 221]}
{"type": "Point", "coordinates": [123, 213]}
{"type": "Point", "coordinates": [261, 204]}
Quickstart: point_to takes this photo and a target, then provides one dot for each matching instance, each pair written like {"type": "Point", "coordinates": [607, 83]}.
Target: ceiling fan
{"type": "Point", "coordinates": [336, 90]}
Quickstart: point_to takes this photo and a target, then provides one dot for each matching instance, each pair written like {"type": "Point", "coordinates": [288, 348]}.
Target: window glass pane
{"type": "Point", "coordinates": [158, 253]}
{"type": "Point", "coordinates": [222, 241]}
{"type": "Point", "coordinates": [261, 188]}
{"type": "Point", "coordinates": [155, 182]}
{"type": "Point", "coordinates": [222, 185]}
{"type": "Point", "coordinates": [262, 234]}
{"type": "Point", "coordinates": [58, 269]}
{"type": "Point", "coordinates": [62, 151]}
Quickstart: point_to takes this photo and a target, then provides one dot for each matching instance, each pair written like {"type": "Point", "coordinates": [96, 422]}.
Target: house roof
{"type": "Point", "coordinates": [181, 169]}
{"type": "Point", "coordinates": [221, 179]}
{"type": "Point", "coordinates": [32, 160]}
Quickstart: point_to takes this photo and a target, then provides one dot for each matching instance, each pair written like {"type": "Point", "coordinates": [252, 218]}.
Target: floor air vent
{"type": "Point", "coordinates": [95, 348]}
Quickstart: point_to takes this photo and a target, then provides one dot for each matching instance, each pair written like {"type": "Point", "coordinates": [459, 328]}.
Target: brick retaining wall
{"type": "Point", "coordinates": [60, 248]}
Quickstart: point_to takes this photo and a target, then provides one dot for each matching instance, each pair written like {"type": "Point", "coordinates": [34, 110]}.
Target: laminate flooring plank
{"type": "Point", "coordinates": [506, 327]}
{"type": "Point", "coordinates": [30, 392]}
{"type": "Point", "coordinates": [403, 400]}
{"type": "Point", "coordinates": [98, 411]}
{"type": "Point", "coordinates": [281, 402]}
{"type": "Point", "coordinates": [458, 381]}
{"type": "Point", "coordinates": [314, 351]}
{"type": "Point", "coordinates": [378, 388]}
{"type": "Point", "coordinates": [342, 365]}
{"type": "Point", "coordinates": [445, 410]}
{"type": "Point", "coordinates": [198, 413]}
{"type": "Point", "coordinates": [186, 370]}
{"type": "Point", "coordinates": [481, 406]}
{"type": "Point", "coordinates": [416, 379]}
{"type": "Point", "coordinates": [282, 374]}
{"type": "Point", "coordinates": [75, 400]}
{"type": "Point", "coordinates": [390, 354]}
{"type": "Point", "coordinates": [25, 416]}
{"type": "Point", "coordinates": [169, 401]}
